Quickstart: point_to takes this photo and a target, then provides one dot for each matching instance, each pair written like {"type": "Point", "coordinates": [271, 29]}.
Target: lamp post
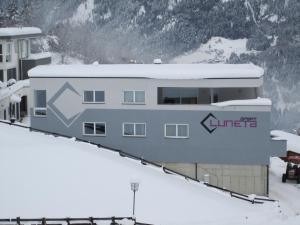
{"type": "Point", "coordinates": [134, 187]}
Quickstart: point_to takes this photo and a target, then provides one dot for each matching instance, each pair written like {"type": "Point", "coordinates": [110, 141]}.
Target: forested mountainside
{"type": "Point", "coordinates": [117, 31]}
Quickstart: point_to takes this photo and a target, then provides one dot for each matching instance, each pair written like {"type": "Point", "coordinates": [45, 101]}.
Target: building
{"type": "Point", "coordinates": [203, 120]}
{"type": "Point", "coordinates": [16, 58]}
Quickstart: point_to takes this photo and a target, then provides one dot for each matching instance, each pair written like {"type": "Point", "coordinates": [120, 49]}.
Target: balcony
{"type": "Point", "coordinates": [193, 96]}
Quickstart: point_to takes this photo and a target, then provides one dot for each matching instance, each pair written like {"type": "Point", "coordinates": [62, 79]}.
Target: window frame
{"type": "Point", "coordinates": [134, 97]}
{"type": "Point", "coordinates": [8, 53]}
{"type": "Point", "coordinates": [2, 53]}
{"type": "Point", "coordinates": [176, 131]}
{"type": "Point", "coordinates": [94, 134]}
{"type": "Point", "coordinates": [94, 97]}
{"type": "Point", "coordinates": [134, 129]}
{"type": "Point", "coordinates": [39, 108]}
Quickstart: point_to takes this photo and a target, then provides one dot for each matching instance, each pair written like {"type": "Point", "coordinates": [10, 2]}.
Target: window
{"type": "Point", "coordinates": [1, 53]}
{"type": "Point", "coordinates": [178, 95]}
{"type": "Point", "coordinates": [134, 129]}
{"type": "Point", "coordinates": [176, 130]}
{"type": "Point", "coordinates": [8, 52]}
{"type": "Point", "coordinates": [12, 74]}
{"type": "Point", "coordinates": [23, 49]}
{"type": "Point", "coordinates": [94, 128]}
{"type": "Point", "coordinates": [40, 103]}
{"type": "Point", "coordinates": [93, 97]}
{"type": "Point", "coordinates": [1, 76]}
{"type": "Point", "coordinates": [134, 97]}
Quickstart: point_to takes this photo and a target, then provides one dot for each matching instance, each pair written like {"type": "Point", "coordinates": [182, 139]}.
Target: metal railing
{"type": "Point", "coordinates": [70, 221]}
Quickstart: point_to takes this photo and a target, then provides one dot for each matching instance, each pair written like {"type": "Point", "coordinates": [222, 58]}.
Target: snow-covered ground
{"type": "Point", "coordinates": [46, 176]}
{"type": "Point", "coordinates": [287, 193]}
{"type": "Point", "coordinates": [216, 50]}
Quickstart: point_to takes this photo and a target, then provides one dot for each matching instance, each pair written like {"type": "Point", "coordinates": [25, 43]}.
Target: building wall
{"type": "Point", "coordinates": [225, 145]}
{"type": "Point", "coordinates": [245, 179]}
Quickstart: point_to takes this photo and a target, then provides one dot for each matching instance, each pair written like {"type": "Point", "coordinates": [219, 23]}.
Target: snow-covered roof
{"type": "Point", "coordinates": [246, 102]}
{"type": "Point", "coordinates": [37, 56]}
{"type": "Point", "coordinates": [9, 91]}
{"type": "Point", "coordinates": [154, 71]}
{"type": "Point", "coordinates": [47, 176]}
{"type": "Point", "coordinates": [293, 140]}
{"type": "Point", "coordinates": [9, 32]}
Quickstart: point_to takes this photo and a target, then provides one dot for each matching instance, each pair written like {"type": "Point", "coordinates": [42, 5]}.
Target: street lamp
{"type": "Point", "coordinates": [134, 187]}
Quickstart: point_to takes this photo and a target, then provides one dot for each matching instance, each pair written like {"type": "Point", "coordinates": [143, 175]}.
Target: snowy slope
{"type": "Point", "coordinates": [56, 177]}
{"type": "Point", "coordinates": [83, 14]}
{"type": "Point", "coordinates": [216, 50]}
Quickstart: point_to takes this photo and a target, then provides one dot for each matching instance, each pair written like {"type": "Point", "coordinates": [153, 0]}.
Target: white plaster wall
{"type": "Point", "coordinates": [114, 88]}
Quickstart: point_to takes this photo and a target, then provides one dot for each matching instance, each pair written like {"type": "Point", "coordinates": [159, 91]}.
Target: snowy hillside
{"type": "Point", "coordinates": [216, 50]}
{"type": "Point", "coordinates": [58, 177]}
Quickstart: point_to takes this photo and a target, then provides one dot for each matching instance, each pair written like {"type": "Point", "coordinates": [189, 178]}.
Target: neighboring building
{"type": "Point", "coordinates": [178, 115]}
{"type": "Point", "coordinates": [16, 59]}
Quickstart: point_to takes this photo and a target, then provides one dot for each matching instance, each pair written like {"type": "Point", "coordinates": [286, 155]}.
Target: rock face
{"type": "Point", "coordinates": [113, 31]}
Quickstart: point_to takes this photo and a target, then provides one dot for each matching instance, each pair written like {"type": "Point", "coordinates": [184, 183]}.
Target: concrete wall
{"type": "Point", "coordinates": [245, 179]}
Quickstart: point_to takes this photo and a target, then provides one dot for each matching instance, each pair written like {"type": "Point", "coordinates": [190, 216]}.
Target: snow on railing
{"type": "Point", "coordinates": [70, 221]}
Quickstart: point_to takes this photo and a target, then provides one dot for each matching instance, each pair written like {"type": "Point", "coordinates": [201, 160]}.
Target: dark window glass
{"type": "Point", "coordinates": [12, 74]}
{"type": "Point", "coordinates": [99, 96]}
{"type": "Point", "coordinates": [88, 128]}
{"type": "Point", "coordinates": [40, 98]}
{"type": "Point", "coordinates": [1, 54]}
{"type": "Point", "coordinates": [40, 112]}
{"type": "Point", "coordinates": [140, 129]}
{"type": "Point", "coordinates": [1, 76]}
{"type": "Point", "coordinates": [178, 95]}
{"type": "Point", "coordinates": [88, 96]}
{"type": "Point", "coordinates": [100, 129]}
{"type": "Point", "coordinates": [128, 129]}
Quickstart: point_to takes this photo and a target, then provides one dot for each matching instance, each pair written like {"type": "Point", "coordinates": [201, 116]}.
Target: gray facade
{"type": "Point", "coordinates": [225, 145]}
{"type": "Point", "coordinates": [237, 136]}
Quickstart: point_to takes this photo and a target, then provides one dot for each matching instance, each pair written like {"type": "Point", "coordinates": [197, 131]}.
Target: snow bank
{"type": "Point", "coordinates": [41, 55]}
{"type": "Point", "coordinates": [17, 31]}
{"type": "Point", "coordinates": [46, 176]}
{"type": "Point", "coordinates": [216, 50]}
{"type": "Point", "coordinates": [252, 102]}
{"type": "Point", "coordinates": [293, 140]}
{"type": "Point", "coordinates": [154, 71]}
{"type": "Point", "coordinates": [9, 91]}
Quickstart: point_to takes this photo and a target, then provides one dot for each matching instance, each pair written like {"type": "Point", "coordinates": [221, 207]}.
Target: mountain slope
{"type": "Point", "coordinates": [113, 31]}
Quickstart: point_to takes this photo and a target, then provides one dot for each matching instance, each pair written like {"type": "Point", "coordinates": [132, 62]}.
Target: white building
{"type": "Point", "coordinates": [16, 58]}
{"type": "Point", "coordinates": [197, 119]}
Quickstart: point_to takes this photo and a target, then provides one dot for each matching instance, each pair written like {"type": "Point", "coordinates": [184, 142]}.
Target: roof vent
{"type": "Point", "coordinates": [157, 61]}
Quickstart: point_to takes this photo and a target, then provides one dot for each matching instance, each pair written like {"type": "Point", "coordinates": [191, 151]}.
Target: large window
{"type": "Point", "coordinates": [12, 74]}
{"type": "Point", "coordinates": [93, 97]}
{"type": "Point", "coordinates": [1, 76]}
{"type": "Point", "coordinates": [1, 53]}
{"type": "Point", "coordinates": [40, 108]}
{"type": "Point", "coordinates": [176, 130]}
{"type": "Point", "coordinates": [175, 95]}
{"type": "Point", "coordinates": [8, 52]}
{"type": "Point", "coordinates": [94, 128]}
{"type": "Point", "coordinates": [134, 97]}
{"type": "Point", "coordinates": [134, 129]}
